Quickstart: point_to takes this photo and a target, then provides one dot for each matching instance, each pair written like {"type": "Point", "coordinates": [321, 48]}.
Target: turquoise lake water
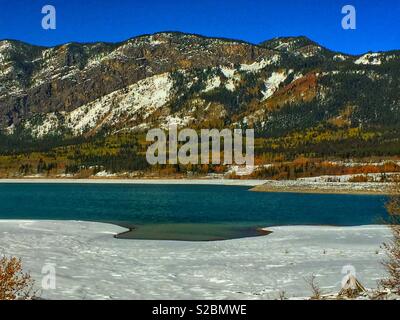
{"type": "Point", "coordinates": [185, 212]}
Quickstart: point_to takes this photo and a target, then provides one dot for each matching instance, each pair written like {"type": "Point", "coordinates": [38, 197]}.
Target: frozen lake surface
{"type": "Point", "coordinates": [91, 264]}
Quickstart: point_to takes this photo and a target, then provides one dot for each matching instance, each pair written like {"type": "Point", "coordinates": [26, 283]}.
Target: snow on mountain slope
{"type": "Point", "coordinates": [143, 97]}
{"type": "Point", "coordinates": [273, 82]}
{"type": "Point", "coordinates": [212, 83]}
{"type": "Point", "coordinates": [259, 65]}
{"type": "Point", "coordinates": [369, 58]}
{"type": "Point", "coordinates": [232, 77]}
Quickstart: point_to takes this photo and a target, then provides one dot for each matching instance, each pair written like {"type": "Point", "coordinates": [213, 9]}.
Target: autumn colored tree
{"type": "Point", "coordinates": [14, 283]}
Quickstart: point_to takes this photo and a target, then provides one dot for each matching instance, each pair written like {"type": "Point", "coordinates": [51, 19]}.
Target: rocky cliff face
{"type": "Point", "coordinates": [278, 86]}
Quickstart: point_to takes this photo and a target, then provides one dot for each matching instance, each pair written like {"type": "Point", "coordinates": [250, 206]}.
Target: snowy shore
{"type": "Point", "coordinates": [91, 264]}
{"type": "Point", "coordinates": [222, 182]}
{"type": "Point", "coordinates": [316, 185]}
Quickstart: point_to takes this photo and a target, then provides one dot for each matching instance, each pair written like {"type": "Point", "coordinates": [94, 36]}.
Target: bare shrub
{"type": "Point", "coordinates": [315, 289]}
{"type": "Point", "coordinates": [282, 295]}
{"type": "Point", "coordinates": [392, 248]}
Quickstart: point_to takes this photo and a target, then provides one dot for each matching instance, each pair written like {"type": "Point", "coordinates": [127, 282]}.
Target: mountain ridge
{"type": "Point", "coordinates": [200, 36]}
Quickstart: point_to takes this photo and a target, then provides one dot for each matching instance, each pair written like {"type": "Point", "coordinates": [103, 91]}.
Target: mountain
{"type": "Point", "coordinates": [299, 96]}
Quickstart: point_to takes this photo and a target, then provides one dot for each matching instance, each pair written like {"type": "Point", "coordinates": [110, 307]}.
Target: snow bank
{"type": "Point", "coordinates": [319, 185]}
{"type": "Point", "coordinates": [373, 177]}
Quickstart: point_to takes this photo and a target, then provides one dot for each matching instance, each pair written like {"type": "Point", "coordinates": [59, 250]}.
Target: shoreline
{"type": "Point", "coordinates": [263, 231]}
{"type": "Point", "coordinates": [224, 182]}
{"type": "Point", "coordinates": [125, 232]}
{"type": "Point", "coordinates": [270, 186]}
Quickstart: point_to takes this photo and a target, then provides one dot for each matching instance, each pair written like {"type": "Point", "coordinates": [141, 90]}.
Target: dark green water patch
{"type": "Point", "coordinates": [191, 232]}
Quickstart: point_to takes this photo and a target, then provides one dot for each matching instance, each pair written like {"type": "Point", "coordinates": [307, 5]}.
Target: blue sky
{"type": "Point", "coordinates": [378, 21]}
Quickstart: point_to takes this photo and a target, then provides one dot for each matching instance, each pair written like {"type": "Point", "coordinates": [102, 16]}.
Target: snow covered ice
{"type": "Point", "coordinates": [91, 264]}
